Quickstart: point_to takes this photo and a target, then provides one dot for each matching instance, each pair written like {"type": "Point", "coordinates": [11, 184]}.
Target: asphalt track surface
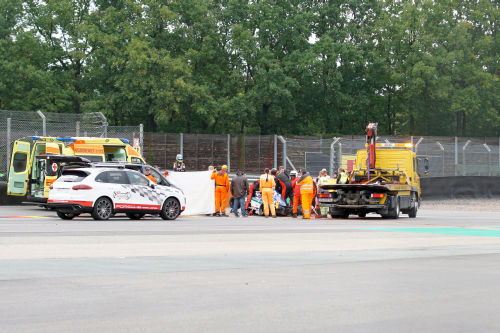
{"type": "Point", "coordinates": [439, 272]}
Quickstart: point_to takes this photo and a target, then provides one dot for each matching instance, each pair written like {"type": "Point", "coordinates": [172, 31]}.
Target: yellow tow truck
{"type": "Point", "coordinates": [36, 161]}
{"type": "Point", "coordinates": [384, 180]}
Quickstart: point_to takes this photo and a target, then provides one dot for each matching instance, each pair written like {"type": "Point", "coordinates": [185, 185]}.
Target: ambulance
{"type": "Point", "coordinates": [36, 162]}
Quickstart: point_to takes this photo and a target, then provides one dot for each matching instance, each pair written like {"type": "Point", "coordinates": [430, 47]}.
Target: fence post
{"type": "Point", "coordinates": [141, 137]}
{"type": "Point", "coordinates": [181, 144]}
{"type": "Point", "coordinates": [340, 154]}
{"type": "Point", "coordinates": [104, 125]}
{"type": "Point", "coordinates": [456, 156]}
{"type": "Point", "coordinates": [332, 154]}
{"type": "Point", "coordinates": [77, 128]}
{"type": "Point", "coordinates": [285, 157]}
{"type": "Point", "coordinates": [442, 153]}
{"type": "Point", "coordinates": [229, 153]}
{"type": "Point", "coordinates": [44, 123]}
{"type": "Point", "coordinates": [275, 151]}
{"type": "Point", "coordinates": [411, 140]}
{"type": "Point", "coordinates": [8, 144]}
{"type": "Point", "coordinates": [489, 157]}
{"type": "Point", "coordinates": [463, 157]}
{"type": "Point", "coordinates": [416, 145]}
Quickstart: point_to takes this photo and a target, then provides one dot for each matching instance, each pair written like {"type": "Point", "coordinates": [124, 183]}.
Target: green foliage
{"type": "Point", "coordinates": [304, 67]}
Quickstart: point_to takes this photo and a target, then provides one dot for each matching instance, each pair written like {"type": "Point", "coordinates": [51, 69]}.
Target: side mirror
{"type": "Point", "coordinates": [426, 166]}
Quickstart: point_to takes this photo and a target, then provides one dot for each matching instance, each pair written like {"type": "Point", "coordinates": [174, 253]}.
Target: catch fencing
{"type": "Point", "coordinates": [447, 156]}
{"type": "Point", "coordinates": [15, 125]}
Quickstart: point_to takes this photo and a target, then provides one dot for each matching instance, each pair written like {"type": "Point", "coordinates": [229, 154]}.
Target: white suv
{"type": "Point", "coordinates": [106, 191]}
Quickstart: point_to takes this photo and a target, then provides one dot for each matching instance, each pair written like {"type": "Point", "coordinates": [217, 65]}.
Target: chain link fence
{"type": "Point", "coordinates": [15, 125]}
{"type": "Point", "coordinates": [448, 156]}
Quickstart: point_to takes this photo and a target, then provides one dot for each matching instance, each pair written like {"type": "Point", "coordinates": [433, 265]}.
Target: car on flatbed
{"type": "Point", "coordinates": [103, 192]}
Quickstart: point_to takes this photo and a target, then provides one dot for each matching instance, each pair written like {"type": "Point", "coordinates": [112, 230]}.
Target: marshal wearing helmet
{"type": "Point", "coordinates": [179, 165]}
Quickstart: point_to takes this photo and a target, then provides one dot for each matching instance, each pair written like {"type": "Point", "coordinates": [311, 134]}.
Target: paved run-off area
{"type": "Point", "coordinates": [439, 272]}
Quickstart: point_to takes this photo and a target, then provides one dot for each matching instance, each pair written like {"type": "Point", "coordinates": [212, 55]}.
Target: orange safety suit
{"type": "Point", "coordinates": [267, 185]}
{"type": "Point", "coordinates": [296, 195]}
{"type": "Point", "coordinates": [221, 189]}
{"type": "Point", "coordinates": [306, 193]}
{"type": "Point", "coordinates": [152, 178]}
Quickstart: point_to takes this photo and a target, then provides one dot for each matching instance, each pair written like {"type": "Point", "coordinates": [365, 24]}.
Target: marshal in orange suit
{"type": "Point", "coordinates": [221, 189]}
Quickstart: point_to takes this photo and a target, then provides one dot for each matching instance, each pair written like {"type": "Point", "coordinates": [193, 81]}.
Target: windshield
{"type": "Point", "coordinates": [115, 154]}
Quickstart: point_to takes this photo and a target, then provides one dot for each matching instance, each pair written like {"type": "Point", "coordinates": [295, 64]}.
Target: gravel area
{"type": "Point", "coordinates": [489, 204]}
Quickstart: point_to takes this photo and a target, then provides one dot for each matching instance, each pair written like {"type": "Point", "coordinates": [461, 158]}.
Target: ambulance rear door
{"type": "Point", "coordinates": [19, 169]}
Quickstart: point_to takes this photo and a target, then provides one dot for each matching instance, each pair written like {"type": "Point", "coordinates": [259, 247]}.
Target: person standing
{"type": "Point", "coordinates": [306, 183]}
{"type": "Point", "coordinates": [179, 165]}
{"type": "Point", "coordinates": [284, 185]}
{"type": "Point", "coordinates": [267, 185]}
{"type": "Point", "coordinates": [296, 192]}
{"type": "Point", "coordinates": [239, 189]}
{"type": "Point", "coordinates": [342, 177]}
{"type": "Point", "coordinates": [324, 179]}
{"type": "Point", "coordinates": [221, 189]}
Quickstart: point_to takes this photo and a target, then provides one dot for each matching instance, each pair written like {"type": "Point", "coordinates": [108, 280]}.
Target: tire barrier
{"type": "Point", "coordinates": [460, 187]}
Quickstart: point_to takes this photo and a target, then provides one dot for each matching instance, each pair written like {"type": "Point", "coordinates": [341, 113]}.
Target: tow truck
{"type": "Point", "coordinates": [384, 180]}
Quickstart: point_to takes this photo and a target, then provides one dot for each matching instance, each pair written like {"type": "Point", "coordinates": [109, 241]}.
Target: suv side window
{"type": "Point", "coordinates": [157, 176]}
{"type": "Point", "coordinates": [137, 179]}
{"type": "Point", "coordinates": [113, 177]}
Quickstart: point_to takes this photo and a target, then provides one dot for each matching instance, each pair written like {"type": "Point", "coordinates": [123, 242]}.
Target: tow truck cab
{"type": "Point", "coordinates": [31, 173]}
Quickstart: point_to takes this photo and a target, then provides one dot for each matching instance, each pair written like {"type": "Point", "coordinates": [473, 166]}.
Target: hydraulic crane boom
{"type": "Point", "coordinates": [371, 140]}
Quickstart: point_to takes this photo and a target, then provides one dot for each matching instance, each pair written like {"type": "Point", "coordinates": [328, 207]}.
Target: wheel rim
{"type": "Point", "coordinates": [172, 209]}
{"type": "Point", "coordinates": [103, 208]}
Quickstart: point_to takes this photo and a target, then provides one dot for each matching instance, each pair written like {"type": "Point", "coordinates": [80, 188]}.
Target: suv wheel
{"type": "Point", "coordinates": [171, 209]}
{"type": "Point", "coordinates": [66, 216]}
{"type": "Point", "coordinates": [103, 209]}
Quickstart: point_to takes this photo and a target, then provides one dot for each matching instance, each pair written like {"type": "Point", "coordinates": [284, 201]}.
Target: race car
{"type": "Point", "coordinates": [103, 192]}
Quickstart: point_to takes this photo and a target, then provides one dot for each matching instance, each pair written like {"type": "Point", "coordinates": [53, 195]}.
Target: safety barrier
{"type": "Point", "coordinates": [460, 187]}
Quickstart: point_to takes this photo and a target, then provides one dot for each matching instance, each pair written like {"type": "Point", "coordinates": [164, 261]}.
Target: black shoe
{"type": "Point", "coordinates": [224, 215]}
{"type": "Point", "coordinates": [274, 216]}
{"type": "Point", "coordinates": [294, 215]}
{"type": "Point", "coordinates": [216, 214]}
{"type": "Point", "coordinates": [266, 216]}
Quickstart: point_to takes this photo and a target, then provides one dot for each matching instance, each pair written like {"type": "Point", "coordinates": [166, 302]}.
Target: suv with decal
{"type": "Point", "coordinates": [103, 192]}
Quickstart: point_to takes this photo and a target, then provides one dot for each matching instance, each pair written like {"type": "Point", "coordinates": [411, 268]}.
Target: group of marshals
{"type": "Point", "coordinates": [299, 188]}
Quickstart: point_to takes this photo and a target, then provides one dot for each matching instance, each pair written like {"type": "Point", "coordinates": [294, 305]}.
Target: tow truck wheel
{"type": "Point", "coordinates": [66, 216]}
{"type": "Point", "coordinates": [135, 216]}
{"type": "Point", "coordinates": [394, 212]}
{"type": "Point", "coordinates": [103, 209]}
{"type": "Point", "coordinates": [413, 210]}
{"type": "Point", "coordinates": [362, 215]}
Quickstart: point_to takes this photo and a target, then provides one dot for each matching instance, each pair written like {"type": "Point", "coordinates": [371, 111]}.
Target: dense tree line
{"type": "Point", "coordinates": [427, 67]}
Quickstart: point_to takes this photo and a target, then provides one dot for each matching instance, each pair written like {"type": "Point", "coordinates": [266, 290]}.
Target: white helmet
{"type": "Point", "coordinates": [293, 173]}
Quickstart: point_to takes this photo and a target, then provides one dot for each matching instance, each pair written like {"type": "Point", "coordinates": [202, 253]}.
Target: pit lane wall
{"type": "Point", "coordinates": [432, 188]}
